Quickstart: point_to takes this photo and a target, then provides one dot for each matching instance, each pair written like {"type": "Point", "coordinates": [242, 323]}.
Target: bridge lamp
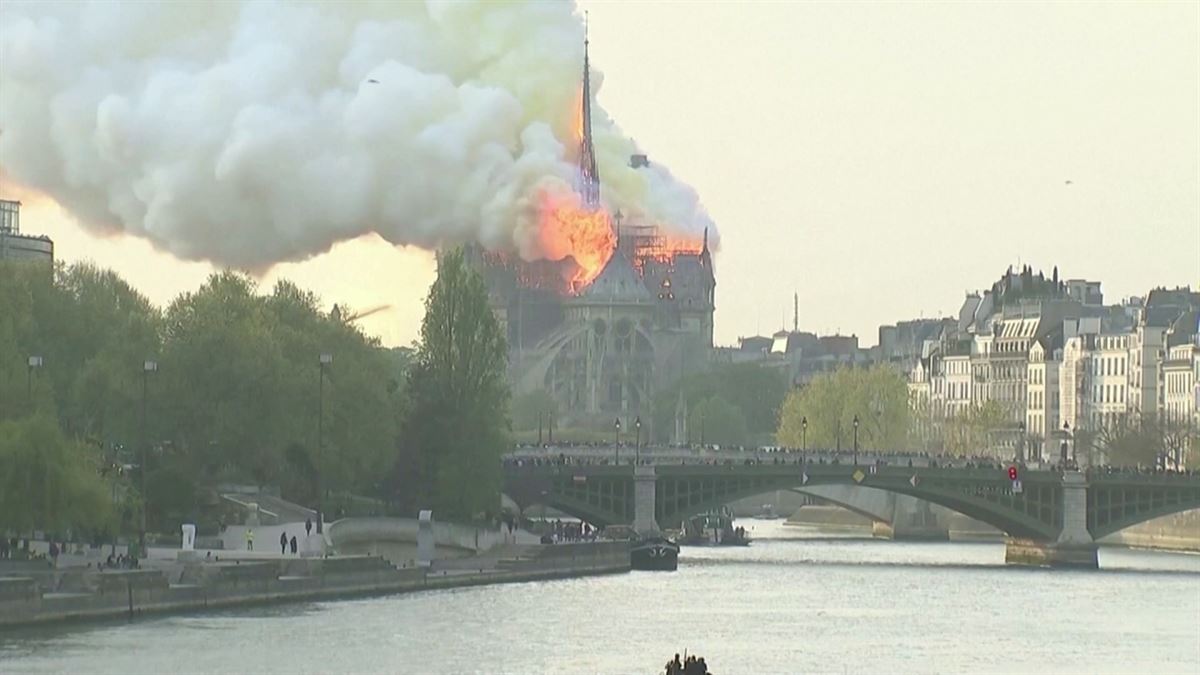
{"type": "Point", "coordinates": [804, 433]}
{"type": "Point", "coordinates": [617, 445]}
{"type": "Point", "coordinates": [856, 440]}
{"type": "Point", "coordinates": [1021, 441]}
{"type": "Point", "coordinates": [637, 424]}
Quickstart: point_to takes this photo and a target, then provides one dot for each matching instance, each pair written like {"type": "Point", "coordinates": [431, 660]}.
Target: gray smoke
{"type": "Point", "coordinates": [259, 132]}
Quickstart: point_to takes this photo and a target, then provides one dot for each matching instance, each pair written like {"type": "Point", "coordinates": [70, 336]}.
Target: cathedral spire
{"type": "Point", "coordinates": [589, 176]}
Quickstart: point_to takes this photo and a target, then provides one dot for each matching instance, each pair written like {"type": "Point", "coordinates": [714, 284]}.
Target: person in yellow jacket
{"type": "Point", "coordinates": [249, 539]}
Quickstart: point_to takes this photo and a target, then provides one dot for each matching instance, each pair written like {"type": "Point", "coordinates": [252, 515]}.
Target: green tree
{"type": "Point", "coordinates": [756, 392]}
{"type": "Point", "coordinates": [48, 481]}
{"type": "Point", "coordinates": [533, 408]}
{"type": "Point", "coordinates": [718, 421]}
{"type": "Point", "coordinates": [877, 396]}
{"type": "Point", "coordinates": [972, 432]}
{"type": "Point", "coordinates": [457, 423]}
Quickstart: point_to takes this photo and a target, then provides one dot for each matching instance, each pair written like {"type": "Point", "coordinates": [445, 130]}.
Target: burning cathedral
{"type": "Point", "coordinates": [603, 335]}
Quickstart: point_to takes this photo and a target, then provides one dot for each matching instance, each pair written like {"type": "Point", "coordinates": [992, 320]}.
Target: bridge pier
{"type": "Point", "coordinates": [645, 481]}
{"type": "Point", "coordinates": [914, 520]}
{"type": "Point", "coordinates": [1074, 547]}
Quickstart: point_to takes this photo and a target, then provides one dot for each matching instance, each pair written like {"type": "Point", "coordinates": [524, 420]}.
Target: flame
{"type": "Point", "coordinates": [567, 229]}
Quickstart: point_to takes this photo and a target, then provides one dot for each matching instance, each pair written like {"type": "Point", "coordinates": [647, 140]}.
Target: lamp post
{"type": "Point", "coordinates": [324, 360]}
{"type": "Point", "coordinates": [147, 368]}
{"type": "Point", "coordinates": [617, 442]}
{"type": "Point", "coordinates": [702, 428]}
{"type": "Point", "coordinates": [550, 426]}
{"type": "Point", "coordinates": [804, 434]}
{"type": "Point", "coordinates": [1021, 443]}
{"type": "Point", "coordinates": [637, 448]}
{"type": "Point", "coordinates": [34, 362]}
{"type": "Point", "coordinates": [1063, 448]}
{"type": "Point", "coordinates": [539, 428]}
{"type": "Point", "coordinates": [856, 440]}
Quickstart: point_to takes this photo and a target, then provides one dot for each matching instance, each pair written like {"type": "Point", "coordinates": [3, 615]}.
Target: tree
{"type": "Point", "coordinates": [972, 431]}
{"type": "Point", "coordinates": [532, 409]}
{"type": "Point", "coordinates": [755, 391]}
{"type": "Point", "coordinates": [877, 396]}
{"type": "Point", "coordinates": [48, 481]}
{"type": "Point", "coordinates": [718, 421]}
{"type": "Point", "coordinates": [456, 424]}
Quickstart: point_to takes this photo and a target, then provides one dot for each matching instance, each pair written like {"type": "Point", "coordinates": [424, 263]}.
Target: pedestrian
{"type": "Point", "coordinates": [53, 552]}
{"type": "Point", "coordinates": [308, 527]}
{"type": "Point", "coordinates": [294, 545]}
{"type": "Point", "coordinates": [249, 539]}
{"type": "Point", "coordinates": [283, 542]}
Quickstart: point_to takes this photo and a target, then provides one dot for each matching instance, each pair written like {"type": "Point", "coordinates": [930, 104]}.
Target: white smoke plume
{"type": "Point", "coordinates": [250, 133]}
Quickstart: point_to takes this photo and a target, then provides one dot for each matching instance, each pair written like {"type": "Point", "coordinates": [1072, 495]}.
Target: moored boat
{"type": "Point", "coordinates": [654, 553]}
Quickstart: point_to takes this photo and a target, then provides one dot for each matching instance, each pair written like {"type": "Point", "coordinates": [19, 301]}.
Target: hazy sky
{"type": "Point", "coordinates": [879, 160]}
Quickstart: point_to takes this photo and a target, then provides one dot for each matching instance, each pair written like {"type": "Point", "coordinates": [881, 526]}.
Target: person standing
{"type": "Point", "coordinates": [308, 527]}
{"type": "Point", "coordinates": [294, 545]}
{"type": "Point", "coordinates": [249, 539]}
{"type": "Point", "coordinates": [283, 542]}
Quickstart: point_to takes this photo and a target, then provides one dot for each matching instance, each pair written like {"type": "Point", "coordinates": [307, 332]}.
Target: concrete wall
{"type": "Point", "coordinates": [124, 594]}
{"type": "Point", "coordinates": [1176, 532]}
{"type": "Point", "coordinates": [451, 538]}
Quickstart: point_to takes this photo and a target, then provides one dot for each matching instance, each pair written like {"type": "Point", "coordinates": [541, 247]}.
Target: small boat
{"type": "Point", "coordinates": [767, 513]}
{"type": "Point", "coordinates": [714, 528]}
{"type": "Point", "coordinates": [654, 553]}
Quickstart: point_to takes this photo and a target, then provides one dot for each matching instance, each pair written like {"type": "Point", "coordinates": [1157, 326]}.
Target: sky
{"type": "Point", "coordinates": [878, 160]}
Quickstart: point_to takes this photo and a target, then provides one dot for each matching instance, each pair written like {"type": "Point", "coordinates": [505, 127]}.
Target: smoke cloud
{"type": "Point", "coordinates": [258, 132]}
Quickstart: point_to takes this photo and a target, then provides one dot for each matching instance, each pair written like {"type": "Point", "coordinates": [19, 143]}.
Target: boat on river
{"type": "Point", "coordinates": [654, 553]}
{"type": "Point", "coordinates": [714, 528]}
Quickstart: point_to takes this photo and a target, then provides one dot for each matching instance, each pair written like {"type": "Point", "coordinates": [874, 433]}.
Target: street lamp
{"type": "Point", "coordinates": [325, 360]}
{"type": "Point", "coordinates": [1063, 447]}
{"type": "Point", "coordinates": [550, 426]}
{"type": "Point", "coordinates": [617, 444]}
{"type": "Point", "coordinates": [856, 440]}
{"type": "Point", "coordinates": [540, 428]}
{"type": "Point", "coordinates": [34, 362]}
{"type": "Point", "coordinates": [804, 434]}
{"type": "Point", "coordinates": [1021, 443]}
{"type": "Point", "coordinates": [147, 368]}
{"type": "Point", "coordinates": [702, 429]}
{"type": "Point", "coordinates": [637, 424]}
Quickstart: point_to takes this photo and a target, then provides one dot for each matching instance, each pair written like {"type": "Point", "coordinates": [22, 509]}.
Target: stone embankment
{"type": "Point", "coordinates": [44, 595]}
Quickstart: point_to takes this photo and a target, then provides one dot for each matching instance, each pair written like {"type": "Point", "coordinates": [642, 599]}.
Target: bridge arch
{"type": "Point", "coordinates": [1037, 510]}
{"type": "Point", "coordinates": [1034, 515]}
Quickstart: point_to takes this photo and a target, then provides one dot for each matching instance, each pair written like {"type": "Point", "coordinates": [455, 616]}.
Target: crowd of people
{"type": "Point", "coordinates": [120, 562]}
{"type": "Point", "coordinates": [559, 532]}
{"type": "Point", "coordinates": [781, 456]}
{"type": "Point", "coordinates": [691, 665]}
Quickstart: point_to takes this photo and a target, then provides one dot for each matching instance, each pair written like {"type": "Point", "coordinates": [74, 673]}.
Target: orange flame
{"type": "Point", "coordinates": [567, 229]}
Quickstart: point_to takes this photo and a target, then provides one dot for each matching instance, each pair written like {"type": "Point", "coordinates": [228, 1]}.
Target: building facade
{"type": "Point", "coordinates": [17, 246]}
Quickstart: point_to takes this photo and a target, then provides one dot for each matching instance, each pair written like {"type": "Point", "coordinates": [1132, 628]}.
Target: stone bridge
{"type": "Point", "coordinates": [1054, 517]}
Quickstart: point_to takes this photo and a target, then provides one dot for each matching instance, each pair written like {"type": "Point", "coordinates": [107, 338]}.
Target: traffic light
{"type": "Point", "coordinates": [1012, 473]}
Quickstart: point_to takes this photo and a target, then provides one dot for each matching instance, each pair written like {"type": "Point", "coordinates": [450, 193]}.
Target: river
{"type": "Point", "coordinates": [793, 602]}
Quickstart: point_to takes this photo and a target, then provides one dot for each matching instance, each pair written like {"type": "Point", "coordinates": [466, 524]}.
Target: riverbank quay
{"type": "Point", "coordinates": [49, 596]}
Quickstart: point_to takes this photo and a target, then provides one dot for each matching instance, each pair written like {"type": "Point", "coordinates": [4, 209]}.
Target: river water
{"type": "Point", "coordinates": [793, 602]}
